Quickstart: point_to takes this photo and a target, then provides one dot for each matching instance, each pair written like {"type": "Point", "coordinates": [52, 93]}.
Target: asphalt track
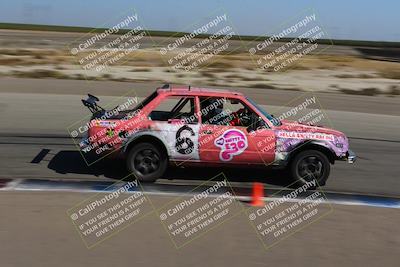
{"type": "Point", "coordinates": [35, 121]}
{"type": "Point", "coordinates": [36, 231]}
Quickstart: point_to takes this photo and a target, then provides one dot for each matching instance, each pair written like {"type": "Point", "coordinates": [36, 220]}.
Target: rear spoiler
{"type": "Point", "coordinates": [91, 104]}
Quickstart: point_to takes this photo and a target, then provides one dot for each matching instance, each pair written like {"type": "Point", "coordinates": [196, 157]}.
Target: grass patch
{"type": "Point", "coordinates": [106, 76]}
{"type": "Point", "coordinates": [234, 76]}
{"type": "Point", "coordinates": [11, 61]}
{"type": "Point", "coordinates": [292, 89]}
{"type": "Point", "coordinates": [141, 70]}
{"type": "Point", "coordinates": [37, 74]}
{"type": "Point", "coordinates": [352, 76]}
{"type": "Point", "coordinates": [298, 67]}
{"type": "Point", "coordinates": [263, 86]}
{"type": "Point", "coordinates": [337, 59]}
{"type": "Point", "coordinates": [248, 79]}
{"type": "Point", "coordinates": [79, 76]}
{"type": "Point", "coordinates": [219, 65]}
{"type": "Point", "coordinates": [393, 90]}
{"type": "Point", "coordinates": [207, 74]}
{"type": "Point", "coordinates": [366, 91]}
{"type": "Point", "coordinates": [168, 70]}
{"type": "Point", "coordinates": [390, 74]}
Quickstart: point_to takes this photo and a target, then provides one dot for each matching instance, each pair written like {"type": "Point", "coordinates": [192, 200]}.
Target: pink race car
{"type": "Point", "coordinates": [211, 127]}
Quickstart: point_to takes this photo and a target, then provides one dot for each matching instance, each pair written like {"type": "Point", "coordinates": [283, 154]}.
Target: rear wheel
{"type": "Point", "coordinates": [310, 165]}
{"type": "Point", "coordinates": [147, 162]}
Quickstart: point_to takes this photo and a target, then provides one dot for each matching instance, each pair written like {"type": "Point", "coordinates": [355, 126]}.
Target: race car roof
{"type": "Point", "coordinates": [197, 91]}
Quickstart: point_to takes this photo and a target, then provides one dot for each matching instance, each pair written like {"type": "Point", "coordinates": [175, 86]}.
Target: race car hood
{"type": "Point", "coordinates": [296, 126]}
{"type": "Point", "coordinates": [290, 134]}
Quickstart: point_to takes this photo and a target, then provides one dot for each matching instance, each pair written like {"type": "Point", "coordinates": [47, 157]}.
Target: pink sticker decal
{"type": "Point", "coordinates": [232, 143]}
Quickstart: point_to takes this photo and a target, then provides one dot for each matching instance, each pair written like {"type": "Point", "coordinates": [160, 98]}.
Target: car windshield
{"type": "Point", "coordinates": [270, 117]}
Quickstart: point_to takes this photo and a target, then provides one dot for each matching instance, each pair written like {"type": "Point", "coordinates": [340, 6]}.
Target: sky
{"type": "Point", "coordinates": [342, 19]}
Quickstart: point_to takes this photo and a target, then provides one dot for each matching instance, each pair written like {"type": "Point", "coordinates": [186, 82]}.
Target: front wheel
{"type": "Point", "coordinates": [310, 165]}
{"type": "Point", "coordinates": [147, 162]}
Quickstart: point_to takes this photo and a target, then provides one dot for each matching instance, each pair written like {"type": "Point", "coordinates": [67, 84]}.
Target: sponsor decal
{"type": "Point", "coordinates": [232, 143]}
{"type": "Point", "coordinates": [110, 132]}
{"type": "Point", "coordinates": [306, 135]}
{"type": "Point", "coordinates": [105, 123]}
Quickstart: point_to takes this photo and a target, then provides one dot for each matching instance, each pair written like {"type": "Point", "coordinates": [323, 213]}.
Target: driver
{"type": "Point", "coordinates": [241, 118]}
{"type": "Point", "coordinates": [215, 113]}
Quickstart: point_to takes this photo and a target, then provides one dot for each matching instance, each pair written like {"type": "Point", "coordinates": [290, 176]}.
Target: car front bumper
{"type": "Point", "coordinates": [350, 157]}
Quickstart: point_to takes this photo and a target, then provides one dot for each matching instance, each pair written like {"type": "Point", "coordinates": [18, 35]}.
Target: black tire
{"type": "Point", "coordinates": [147, 162]}
{"type": "Point", "coordinates": [308, 165]}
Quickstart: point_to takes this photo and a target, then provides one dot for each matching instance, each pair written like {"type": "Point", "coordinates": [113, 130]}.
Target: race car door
{"type": "Point", "coordinates": [175, 122]}
{"type": "Point", "coordinates": [226, 135]}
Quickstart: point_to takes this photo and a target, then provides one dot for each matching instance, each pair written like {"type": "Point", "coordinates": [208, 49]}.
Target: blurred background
{"type": "Point", "coordinates": [358, 53]}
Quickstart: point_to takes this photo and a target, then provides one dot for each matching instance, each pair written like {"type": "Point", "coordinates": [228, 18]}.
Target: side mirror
{"type": "Point", "coordinates": [261, 122]}
{"type": "Point", "coordinates": [256, 123]}
{"type": "Point", "coordinates": [253, 123]}
{"type": "Point", "coordinates": [250, 129]}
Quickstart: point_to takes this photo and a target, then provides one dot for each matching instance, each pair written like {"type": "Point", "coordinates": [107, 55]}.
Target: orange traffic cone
{"type": "Point", "coordinates": [258, 194]}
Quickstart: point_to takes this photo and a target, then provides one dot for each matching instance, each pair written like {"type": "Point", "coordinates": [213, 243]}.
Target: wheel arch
{"type": "Point", "coordinates": [311, 145]}
{"type": "Point", "coordinates": [145, 138]}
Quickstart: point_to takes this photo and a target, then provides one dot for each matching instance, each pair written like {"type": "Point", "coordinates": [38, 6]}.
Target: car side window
{"type": "Point", "coordinates": [175, 107]}
{"type": "Point", "coordinates": [212, 111]}
{"type": "Point", "coordinates": [217, 111]}
{"type": "Point", "coordinates": [227, 111]}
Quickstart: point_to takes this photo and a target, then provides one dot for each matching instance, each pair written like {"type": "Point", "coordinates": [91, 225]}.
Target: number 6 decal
{"type": "Point", "coordinates": [184, 145]}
